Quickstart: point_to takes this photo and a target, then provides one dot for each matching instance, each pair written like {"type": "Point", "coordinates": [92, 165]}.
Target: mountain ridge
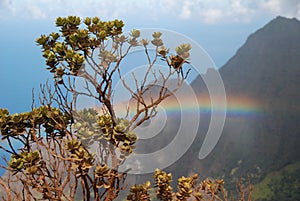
{"type": "Point", "coordinates": [265, 68]}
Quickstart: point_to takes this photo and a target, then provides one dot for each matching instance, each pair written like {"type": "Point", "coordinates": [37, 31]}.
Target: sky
{"type": "Point", "coordinates": [219, 26]}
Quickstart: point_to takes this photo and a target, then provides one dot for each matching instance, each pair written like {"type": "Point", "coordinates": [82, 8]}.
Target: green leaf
{"type": "Point", "coordinates": [135, 33]}
{"type": "Point", "coordinates": [119, 23]}
{"type": "Point", "coordinates": [156, 34]}
{"type": "Point", "coordinates": [42, 40]}
{"type": "Point", "coordinates": [60, 21]}
{"type": "Point", "coordinates": [87, 21]}
{"type": "Point", "coordinates": [54, 35]}
{"type": "Point", "coordinates": [69, 54]}
{"type": "Point", "coordinates": [183, 48]}
{"type": "Point", "coordinates": [73, 20]}
{"type": "Point", "coordinates": [59, 48]}
{"type": "Point", "coordinates": [102, 34]}
{"type": "Point", "coordinates": [96, 20]}
{"type": "Point", "coordinates": [82, 33]}
{"type": "Point", "coordinates": [157, 42]}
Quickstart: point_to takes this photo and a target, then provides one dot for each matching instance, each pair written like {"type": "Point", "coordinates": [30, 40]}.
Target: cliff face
{"type": "Point", "coordinates": [268, 63]}
{"type": "Point", "coordinates": [264, 74]}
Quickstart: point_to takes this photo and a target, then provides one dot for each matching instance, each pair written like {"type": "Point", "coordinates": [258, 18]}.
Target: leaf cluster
{"type": "Point", "coordinates": [54, 142]}
{"type": "Point", "coordinates": [139, 192]}
{"type": "Point", "coordinates": [83, 160]}
{"type": "Point", "coordinates": [103, 174]}
{"type": "Point", "coordinates": [91, 127]}
{"type": "Point", "coordinates": [65, 51]}
{"type": "Point", "coordinates": [52, 119]}
{"type": "Point", "coordinates": [30, 161]}
{"type": "Point", "coordinates": [188, 188]}
{"type": "Point", "coordinates": [117, 135]}
{"type": "Point", "coordinates": [164, 190]}
{"type": "Point", "coordinates": [181, 57]}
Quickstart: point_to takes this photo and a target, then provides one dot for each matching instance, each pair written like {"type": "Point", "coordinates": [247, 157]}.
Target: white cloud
{"type": "Point", "coordinates": [186, 10]}
{"type": "Point", "coordinates": [211, 16]}
{"type": "Point", "coordinates": [287, 8]}
{"type": "Point", "coordinates": [207, 11]}
{"type": "Point", "coordinates": [5, 3]}
{"type": "Point", "coordinates": [35, 11]}
{"type": "Point", "coordinates": [272, 6]}
{"type": "Point", "coordinates": [6, 8]}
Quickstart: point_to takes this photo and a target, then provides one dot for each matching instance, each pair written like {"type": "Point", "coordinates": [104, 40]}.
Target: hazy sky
{"type": "Point", "coordinates": [206, 11]}
{"type": "Point", "coordinates": [219, 26]}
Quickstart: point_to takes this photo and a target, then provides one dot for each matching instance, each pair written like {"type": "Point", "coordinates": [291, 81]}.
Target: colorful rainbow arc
{"type": "Point", "coordinates": [236, 106]}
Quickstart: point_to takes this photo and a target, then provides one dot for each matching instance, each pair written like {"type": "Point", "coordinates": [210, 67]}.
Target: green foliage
{"type": "Point", "coordinates": [24, 128]}
{"type": "Point", "coordinates": [183, 50]}
{"type": "Point", "coordinates": [185, 185]}
{"type": "Point", "coordinates": [91, 127]}
{"type": "Point", "coordinates": [280, 185]}
{"type": "Point", "coordinates": [162, 184]}
{"type": "Point", "coordinates": [85, 126]}
{"type": "Point", "coordinates": [67, 149]}
{"type": "Point", "coordinates": [52, 119]}
{"type": "Point", "coordinates": [65, 52]}
{"type": "Point", "coordinates": [82, 159]}
{"type": "Point", "coordinates": [54, 159]}
{"type": "Point", "coordinates": [30, 161]}
{"type": "Point", "coordinates": [188, 188]}
{"type": "Point", "coordinates": [102, 174]}
{"type": "Point", "coordinates": [139, 192]}
{"type": "Point", "coordinates": [102, 170]}
{"type": "Point", "coordinates": [157, 41]}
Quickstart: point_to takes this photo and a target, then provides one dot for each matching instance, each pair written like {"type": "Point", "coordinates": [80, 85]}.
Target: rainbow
{"type": "Point", "coordinates": [244, 106]}
{"type": "Point", "coordinates": [236, 106]}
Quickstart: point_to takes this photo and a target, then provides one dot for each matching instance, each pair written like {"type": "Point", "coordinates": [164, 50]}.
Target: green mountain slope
{"type": "Point", "coordinates": [283, 184]}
